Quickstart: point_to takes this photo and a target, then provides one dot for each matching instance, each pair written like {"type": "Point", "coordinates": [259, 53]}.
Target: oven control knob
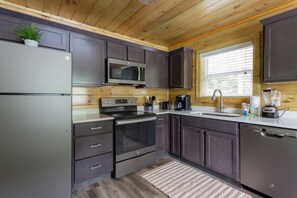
{"type": "Point", "coordinates": [108, 101]}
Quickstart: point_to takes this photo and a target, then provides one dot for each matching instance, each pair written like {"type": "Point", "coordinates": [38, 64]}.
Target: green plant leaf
{"type": "Point", "coordinates": [28, 32]}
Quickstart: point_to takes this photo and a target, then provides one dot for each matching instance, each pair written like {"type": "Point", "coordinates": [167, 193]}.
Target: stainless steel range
{"type": "Point", "coordinates": [134, 135]}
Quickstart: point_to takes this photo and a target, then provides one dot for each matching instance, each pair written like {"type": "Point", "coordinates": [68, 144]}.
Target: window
{"type": "Point", "coordinates": [229, 69]}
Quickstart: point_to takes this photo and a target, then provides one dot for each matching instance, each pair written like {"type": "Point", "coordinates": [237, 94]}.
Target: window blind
{"type": "Point", "coordinates": [229, 69]}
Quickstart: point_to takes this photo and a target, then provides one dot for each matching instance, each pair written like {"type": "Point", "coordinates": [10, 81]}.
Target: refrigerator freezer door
{"type": "Point", "coordinates": [25, 69]}
{"type": "Point", "coordinates": [35, 146]}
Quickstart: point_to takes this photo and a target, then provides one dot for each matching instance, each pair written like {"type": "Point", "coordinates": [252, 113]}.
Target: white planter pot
{"type": "Point", "coordinates": [31, 43]}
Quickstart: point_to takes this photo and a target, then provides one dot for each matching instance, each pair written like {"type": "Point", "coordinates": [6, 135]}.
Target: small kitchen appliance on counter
{"type": "Point", "coordinates": [165, 105]}
{"type": "Point", "coordinates": [183, 102]}
{"type": "Point", "coordinates": [272, 101]}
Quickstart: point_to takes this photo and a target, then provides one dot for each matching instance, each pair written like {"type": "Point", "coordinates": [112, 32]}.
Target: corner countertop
{"type": "Point", "coordinates": [289, 121]}
{"type": "Point", "coordinates": [284, 122]}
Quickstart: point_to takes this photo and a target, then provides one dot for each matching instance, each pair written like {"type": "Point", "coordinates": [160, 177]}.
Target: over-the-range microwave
{"type": "Point", "coordinates": [125, 72]}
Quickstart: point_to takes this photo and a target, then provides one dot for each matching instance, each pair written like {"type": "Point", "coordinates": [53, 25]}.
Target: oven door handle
{"type": "Point", "coordinates": [132, 121]}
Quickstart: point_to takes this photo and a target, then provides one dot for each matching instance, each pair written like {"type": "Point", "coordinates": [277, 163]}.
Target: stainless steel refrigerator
{"type": "Point", "coordinates": [35, 122]}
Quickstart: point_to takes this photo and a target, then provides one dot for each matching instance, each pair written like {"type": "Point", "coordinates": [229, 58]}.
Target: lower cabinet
{"type": "Point", "coordinates": [175, 135]}
{"type": "Point", "coordinates": [93, 147]}
{"type": "Point", "coordinates": [93, 167]}
{"type": "Point", "coordinates": [192, 144]}
{"type": "Point", "coordinates": [207, 142]}
{"type": "Point", "coordinates": [162, 135]}
{"type": "Point", "coordinates": [222, 153]}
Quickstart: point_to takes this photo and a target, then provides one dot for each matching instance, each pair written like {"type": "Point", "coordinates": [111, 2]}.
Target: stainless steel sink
{"type": "Point", "coordinates": [217, 114]}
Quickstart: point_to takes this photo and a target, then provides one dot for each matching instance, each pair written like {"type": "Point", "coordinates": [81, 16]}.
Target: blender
{"type": "Point", "coordinates": [272, 101]}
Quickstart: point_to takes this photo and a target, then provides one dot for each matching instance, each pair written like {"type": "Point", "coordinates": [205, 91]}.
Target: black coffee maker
{"type": "Point", "coordinates": [183, 102]}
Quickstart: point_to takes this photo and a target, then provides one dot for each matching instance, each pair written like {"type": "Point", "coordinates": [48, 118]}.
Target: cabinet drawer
{"type": "Point", "coordinates": [92, 145]}
{"type": "Point", "coordinates": [93, 167]}
{"type": "Point", "coordinates": [216, 125]}
{"type": "Point", "coordinates": [93, 128]}
{"type": "Point", "coordinates": [162, 119]}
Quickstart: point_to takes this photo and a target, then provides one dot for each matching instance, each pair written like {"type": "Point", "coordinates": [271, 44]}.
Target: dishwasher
{"type": "Point", "coordinates": [269, 160]}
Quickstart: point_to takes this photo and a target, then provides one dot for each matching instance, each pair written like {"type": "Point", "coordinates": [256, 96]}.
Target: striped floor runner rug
{"type": "Point", "coordinates": [178, 180]}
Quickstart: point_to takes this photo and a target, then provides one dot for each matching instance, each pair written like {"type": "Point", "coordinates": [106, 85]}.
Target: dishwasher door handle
{"type": "Point", "coordinates": [132, 121]}
{"type": "Point", "coordinates": [271, 136]}
{"type": "Point", "coordinates": [274, 135]}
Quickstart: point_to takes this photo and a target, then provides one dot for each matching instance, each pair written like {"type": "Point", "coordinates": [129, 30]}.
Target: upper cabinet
{"type": "Point", "coordinates": [88, 60]}
{"type": "Point", "coordinates": [117, 51]}
{"type": "Point", "coordinates": [157, 70]}
{"type": "Point", "coordinates": [280, 44]}
{"type": "Point", "coordinates": [123, 52]}
{"type": "Point", "coordinates": [136, 54]}
{"type": "Point", "coordinates": [51, 37]}
{"type": "Point", "coordinates": [7, 27]}
{"type": "Point", "coordinates": [180, 68]}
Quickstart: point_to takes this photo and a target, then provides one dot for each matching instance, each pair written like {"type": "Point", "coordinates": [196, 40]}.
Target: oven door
{"type": "Point", "coordinates": [134, 137]}
{"type": "Point", "coordinates": [125, 72]}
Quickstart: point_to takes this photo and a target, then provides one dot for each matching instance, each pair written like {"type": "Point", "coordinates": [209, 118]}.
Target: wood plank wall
{"type": "Point", "coordinates": [251, 31]}
{"type": "Point", "coordinates": [88, 97]}
{"type": "Point", "coordinates": [84, 97]}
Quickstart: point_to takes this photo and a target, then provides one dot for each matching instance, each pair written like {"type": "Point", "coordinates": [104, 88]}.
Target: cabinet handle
{"type": "Point", "coordinates": [95, 145]}
{"type": "Point", "coordinates": [96, 128]}
{"type": "Point", "coordinates": [95, 167]}
{"type": "Point", "coordinates": [160, 119]}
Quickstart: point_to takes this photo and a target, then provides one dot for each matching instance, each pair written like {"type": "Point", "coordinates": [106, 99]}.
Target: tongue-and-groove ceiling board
{"type": "Point", "coordinates": [167, 23]}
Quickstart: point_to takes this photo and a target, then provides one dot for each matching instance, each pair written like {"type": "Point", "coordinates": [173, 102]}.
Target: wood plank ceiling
{"type": "Point", "coordinates": [166, 23]}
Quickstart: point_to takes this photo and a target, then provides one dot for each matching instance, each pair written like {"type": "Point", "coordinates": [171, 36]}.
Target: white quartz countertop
{"type": "Point", "coordinates": [93, 115]}
{"type": "Point", "coordinates": [285, 122]}
{"type": "Point", "coordinates": [83, 116]}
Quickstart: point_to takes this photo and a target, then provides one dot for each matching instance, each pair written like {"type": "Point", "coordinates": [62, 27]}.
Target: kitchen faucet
{"type": "Point", "coordinates": [221, 108]}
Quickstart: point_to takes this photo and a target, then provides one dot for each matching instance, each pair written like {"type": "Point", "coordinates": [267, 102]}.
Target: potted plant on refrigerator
{"type": "Point", "coordinates": [30, 34]}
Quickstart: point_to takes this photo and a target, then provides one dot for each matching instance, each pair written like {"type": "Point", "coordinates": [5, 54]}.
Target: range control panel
{"type": "Point", "coordinates": [115, 102]}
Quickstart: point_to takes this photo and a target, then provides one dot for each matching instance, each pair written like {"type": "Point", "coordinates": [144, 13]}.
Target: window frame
{"type": "Point", "coordinates": [201, 68]}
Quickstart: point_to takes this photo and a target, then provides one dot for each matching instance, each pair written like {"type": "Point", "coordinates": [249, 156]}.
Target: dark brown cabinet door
{"type": "Point", "coordinates": [176, 76]}
{"type": "Point", "coordinates": [192, 144]}
{"type": "Point", "coordinates": [162, 135]}
{"type": "Point", "coordinates": [53, 37]}
{"type": "Point", "coordinates": [7, 27]}
{"type": "Point", "coordinates": [88, 60]}
{"type": "Point", "coordinates": [222, 153]}
{"type": "Point", "coordinates": [180, 68]}
{"type": "Point", "coordinates": [175, 135]}
{"type": "Point", "coordinates": [280, 60]}
{"type": "Point", "coordinates": [136, 54]}
{"type": "Point", "coordinates": [156, 70]}
{"type": "Point", "coordinates": [117, 51]}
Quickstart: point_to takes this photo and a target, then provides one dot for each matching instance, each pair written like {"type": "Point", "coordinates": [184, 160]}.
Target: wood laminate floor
{"type": "Point", "coordinates": [130, 186]}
